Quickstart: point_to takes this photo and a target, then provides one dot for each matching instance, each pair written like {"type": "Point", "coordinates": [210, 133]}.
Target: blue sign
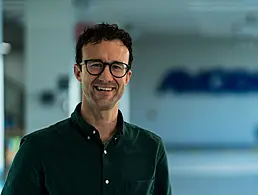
{"type": "Point", "coordinates": [210, 81]}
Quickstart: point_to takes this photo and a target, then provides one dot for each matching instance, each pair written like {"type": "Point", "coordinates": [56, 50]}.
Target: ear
{"type": "Point", "coordinates": [128, 77]}
{"type": "Point", "coordinates": [77, 72]}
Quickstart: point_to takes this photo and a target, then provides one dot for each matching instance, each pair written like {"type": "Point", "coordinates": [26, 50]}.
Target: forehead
{"type": "Point", "coordinates": [113, 50]}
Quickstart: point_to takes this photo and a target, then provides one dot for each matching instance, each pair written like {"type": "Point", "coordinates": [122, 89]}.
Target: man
{"type": "Point", "coordinates": [95, 151]}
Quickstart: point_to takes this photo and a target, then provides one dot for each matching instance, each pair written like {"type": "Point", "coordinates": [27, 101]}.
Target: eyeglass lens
{"type": "Point", "coordinates": [117, 69]}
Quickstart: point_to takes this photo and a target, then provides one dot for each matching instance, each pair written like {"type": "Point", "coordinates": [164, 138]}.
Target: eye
{"type": "Point", "coordinates": [95, 65]}
{"type": "Point", "coordinates": [118, 67]}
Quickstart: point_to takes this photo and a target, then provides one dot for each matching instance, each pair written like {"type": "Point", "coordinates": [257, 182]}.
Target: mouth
{"type": "Point", "coordinates": [106, 89]}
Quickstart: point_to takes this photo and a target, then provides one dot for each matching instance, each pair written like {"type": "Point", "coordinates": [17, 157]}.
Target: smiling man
{"type": "Point", "coordinates": [94, 152]}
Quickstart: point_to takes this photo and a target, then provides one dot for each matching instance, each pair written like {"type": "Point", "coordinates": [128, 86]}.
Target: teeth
{"type": "Point", "coordinates": [104, 89]}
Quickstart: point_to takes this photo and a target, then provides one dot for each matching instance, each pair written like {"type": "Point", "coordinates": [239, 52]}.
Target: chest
{"type": "Point", "coordinates": [96, 170]}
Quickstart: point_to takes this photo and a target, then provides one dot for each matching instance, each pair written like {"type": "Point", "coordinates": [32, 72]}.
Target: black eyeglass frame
{"type": "Point", "coordinates": [85, 62]}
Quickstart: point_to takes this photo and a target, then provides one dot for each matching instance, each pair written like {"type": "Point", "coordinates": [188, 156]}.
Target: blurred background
{"type": "Point", "coordinates": [194, 83]}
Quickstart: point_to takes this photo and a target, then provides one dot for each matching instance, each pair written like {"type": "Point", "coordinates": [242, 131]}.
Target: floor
{"type": "Point", "coordinates": [214, 172]}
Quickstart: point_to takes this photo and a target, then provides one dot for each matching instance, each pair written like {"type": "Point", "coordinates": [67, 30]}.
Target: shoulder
{"type": "Point", "coordinates": [146, 141]}
{"type": "Point", "coordinates": [143, 135]}
{"type": "Point", "coordinates": [46, 134]}
{"type": "Point", "coordinates": [143, 132]}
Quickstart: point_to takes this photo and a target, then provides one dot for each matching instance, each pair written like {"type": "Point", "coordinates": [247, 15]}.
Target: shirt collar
{"type": "Point", "coordinates": [87, 129]}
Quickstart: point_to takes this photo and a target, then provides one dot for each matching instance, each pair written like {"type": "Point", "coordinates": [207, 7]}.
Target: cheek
{"type": "Point", "coordinates": [121, 84]}
{"type": "Point", "coordinates": [87, 81]}
{"type": "Point", "coordinates": [127, 79]}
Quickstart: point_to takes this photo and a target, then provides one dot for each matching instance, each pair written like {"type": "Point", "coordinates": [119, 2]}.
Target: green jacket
{"type": "Point", "coordinates": [68, 158]}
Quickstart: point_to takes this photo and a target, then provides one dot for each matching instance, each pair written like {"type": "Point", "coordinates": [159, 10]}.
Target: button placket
{"type": "Point", "coordinates": [106, 173]}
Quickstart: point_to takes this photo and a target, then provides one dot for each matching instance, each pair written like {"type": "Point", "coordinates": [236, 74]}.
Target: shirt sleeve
{"type": "Point", "coordinates": [25, 175]}
{"type": "Point", "coordinates": [162, 185]}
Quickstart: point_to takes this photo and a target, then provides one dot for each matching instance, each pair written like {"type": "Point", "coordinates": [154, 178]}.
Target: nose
{"type": "Point", "coordinates": [106, 75]}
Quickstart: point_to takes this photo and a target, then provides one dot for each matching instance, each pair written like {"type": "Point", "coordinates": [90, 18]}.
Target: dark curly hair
{"type": "Point", "coordinates": [96, 33]}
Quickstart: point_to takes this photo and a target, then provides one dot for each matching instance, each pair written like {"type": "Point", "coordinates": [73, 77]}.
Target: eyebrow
{"type": "Point", "coordinates": [96, 59]}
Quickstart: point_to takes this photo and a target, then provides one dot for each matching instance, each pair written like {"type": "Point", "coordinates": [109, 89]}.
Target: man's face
{"type": "Point", "coordinates": [92, 86]}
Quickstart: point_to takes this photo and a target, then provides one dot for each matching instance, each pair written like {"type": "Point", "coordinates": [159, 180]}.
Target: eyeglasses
{"type": "Point", "coordinates": [96, 67]}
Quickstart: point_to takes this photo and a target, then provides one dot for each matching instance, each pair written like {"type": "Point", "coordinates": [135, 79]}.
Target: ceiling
{"type": "Point", "coordinates": [219, 18]}
{"type": "Point", "coordinates": [203, 17]}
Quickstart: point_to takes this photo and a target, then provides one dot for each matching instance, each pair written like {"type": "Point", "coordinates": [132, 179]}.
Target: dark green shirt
{"type": "Point", "coordinates": [68, 158]}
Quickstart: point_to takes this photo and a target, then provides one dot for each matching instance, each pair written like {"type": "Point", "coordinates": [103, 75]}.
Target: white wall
{"type": "Point", "coordinates": [14, 73]}
{"type": "Point", "coordinates": [192, 119]}
{"type": "Point", "coordinates": [48, 54]}
{"type": "Point", "coordinates": [14, 66]}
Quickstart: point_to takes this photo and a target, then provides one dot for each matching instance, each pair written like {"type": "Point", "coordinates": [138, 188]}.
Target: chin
{"type": "Point", "coordinates": [102, 105]}
{"type": "Point", "coordinates": [105, 107]}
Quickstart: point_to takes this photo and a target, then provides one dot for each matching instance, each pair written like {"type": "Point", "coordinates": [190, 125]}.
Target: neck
{"type": "Point", "coordinates": [103, 120]}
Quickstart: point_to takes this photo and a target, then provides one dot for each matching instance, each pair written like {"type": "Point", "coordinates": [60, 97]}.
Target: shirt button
{"type": "Point", "coordinates": [88, 137]}
{"type": "Point", "coordinates": [107, 181]}
{"type": "Point", "coordinates": [105, 152]}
